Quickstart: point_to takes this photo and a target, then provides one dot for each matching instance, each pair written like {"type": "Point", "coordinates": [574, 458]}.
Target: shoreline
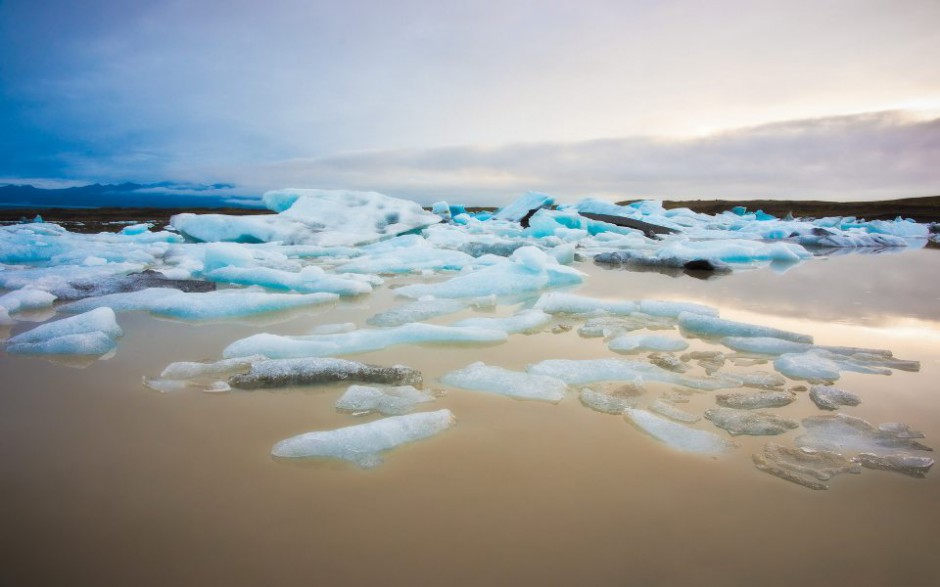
{"type": "Point", "coordinates": [923, 209]}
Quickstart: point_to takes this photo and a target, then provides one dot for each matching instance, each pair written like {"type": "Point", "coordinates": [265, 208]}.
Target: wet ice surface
{"type": "Point", "coordinates": [467, 282]}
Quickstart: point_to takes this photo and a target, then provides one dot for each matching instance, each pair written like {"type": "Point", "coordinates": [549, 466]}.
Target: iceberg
{"type": "Point", "coordinates": [363, 443]}
{"type": "Point", "coordinates": [92, 333]}
{"type": "Point", "coordinates": [318, 371]}
{"type": "Point", "coordinates": [26, 299]}
{"type": "Point", "coordinates": [391, 401]}
{"type": "Point", "coordinates": [523, 206]}
{"type": "Point", "coordinates": [678, 436]}
{"type": "Point", "coordinates": [358, 341]}
{"type": "Point", "coordinates": [482, 377]}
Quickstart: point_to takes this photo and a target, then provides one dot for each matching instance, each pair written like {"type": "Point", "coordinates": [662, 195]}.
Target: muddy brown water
{"type": "Point", "coordinates": [105, 482]}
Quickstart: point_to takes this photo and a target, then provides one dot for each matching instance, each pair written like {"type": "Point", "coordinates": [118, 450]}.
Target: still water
{"type": "Point", "coordinates": [105, 482]}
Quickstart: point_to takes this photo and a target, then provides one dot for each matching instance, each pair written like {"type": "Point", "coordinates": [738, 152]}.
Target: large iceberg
{"type": "Point", "coordinates": [362, 444]}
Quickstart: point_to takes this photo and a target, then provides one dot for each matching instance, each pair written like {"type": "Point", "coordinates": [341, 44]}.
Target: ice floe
{"type": "Point", "coordinates": [810, 468]}
{"type": "Point", "coordinates": [678, 436]}
{"type": "Point", "coordinates": [755, 400]}
{"type": "Point", "coordinates": [363, 444]}
{"type": "Point", "coordinates": [847, 434]}
{"type": "Point", "coordinates": [747, 422]}
{"type": "Point", "coordinates": [830, 398]}
{"type": "Point", "coordinates": [391, 401]}
{"type": "Point", "coordinates": [514, 384]}
{"type": "Point", "coordinates": [574, 371]}
{"type": "Point", "coordinates": [92, 333]}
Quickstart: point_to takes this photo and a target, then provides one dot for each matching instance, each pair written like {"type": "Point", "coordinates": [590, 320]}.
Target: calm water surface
{"type": "Point", "coordinates": [108, 483]}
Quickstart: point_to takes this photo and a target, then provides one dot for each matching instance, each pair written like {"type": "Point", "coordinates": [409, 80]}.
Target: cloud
{"type": "Point", "coordinates": [866, 156]}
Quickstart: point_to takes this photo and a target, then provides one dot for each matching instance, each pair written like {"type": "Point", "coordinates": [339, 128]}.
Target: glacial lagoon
{"type": "Point", "coordinates": [119, 470]}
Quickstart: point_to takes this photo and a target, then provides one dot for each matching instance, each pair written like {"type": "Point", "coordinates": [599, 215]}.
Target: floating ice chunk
{"type": "Point", "coordinates": [213, 305]}
{"type": "Point", "coordinates": [416, 311]}
{"type": "Point", "coordinates": [391, 401]}
{"type": "Point", "coordinates": [205, 376]}
{"type": "Point", "coordinates": [906, 464]}
{"type": "Point", "coordinates": [481, 377]}
{"type": "Point", "coordinates": [361, 444]}
{"type": "Point", "coordinates": [606, 403]}
{"type": "Point", "coordinates": [91, 333]}
{"type": "Point", "coordinates": [358, 341]}
{"type": "Point", "coordinates": [646, 342]}
{"type": "Point", "coordinates": [523, 321]}
{"type": "Point", "coordinates": [442, 209]}
{"type": "Point", "coordinates": [830, 398]}
{"type": "Point", "coordinates": [613, 326]}
{"type": "Point", "coordinates": [900, 430]}
{"type": "Point", "coordinates": [418, 256]}
{"type": "Point", "coordinates": [595, 370]}
{"type": "Point", "coordinates": [762, 345]}
{"type": "Point", "coordinates": [700, 325]}
{"type": "Point", "coordinates": [333, 328]}
{"type": "Point", "coordinates": [756, 400]}
{"type": "Point", "coordinates": [565, 303]}
{"type": "Point", "coordinates": [68, 283]}
{"type": "Point", "coordinates": [762, 380]}
{"type": "Point", "coordinates": [135, 229]}
{"type": "Point", "coordinates": [678, 436]}
{"type": "Point", "coordinates": [308, 280]}
{"type": "Point", "coordinates": [668, 362]}
{"type": "Point", "coordinates": [809, 468]}
{"type": "Point", "coordinates": [899, 227]}
{"type": "Point", "coordinates": [665, 408]}
{"type": "Point", "coordinates": [711, 361]}
{"type": "Point", "coordinates": [26, 299]}
{"type": "Point", "coordinates": [751, 423]}
{"type": "Point", "coordinates": [847, 434]}
{"type": "Point", "coordinates": [527, 270]}
{"type": "Point", "coordinates": [318, 371]}
{"type": "Point", "coordinates": [521, 206]}
{"type": "Point", "coordinates": [821, 365]}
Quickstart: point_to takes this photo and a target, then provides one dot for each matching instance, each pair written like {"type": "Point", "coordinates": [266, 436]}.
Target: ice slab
{"type": "Point", "coordinates": [756, 400]}
{"type": "Point", "coordinates": [522, 206]}
{"type": "Point", "coordinates": [391, 401]}
{"type": "Point", "coordinates": [830, 398]}
{"type": "Point", "coordinates": [821, 365]}
{"type": "Point", "coordinates": [524, 321]}
{"type": "Point", "coordinates": [646, 342]}
{"type": "Point", "coordinates": [594, 370]}
{"type": "Point", "coordinates": [809, 468]}
{"type": "Point", "coordinates": [416, 311]}
{"type": "Point", "coordinates": [566, 303]}
{"type": "Point", "coordinates": [417, 256]}
{"type": "Point", "coordinates": [526, 271]}
{"type": "Point", "coordinates": [514, 384]}
{"type": "Point", "coordinates": [678, 436]}
{"type": "Point", "coordinates": [849, 435]}
{"type": "Point", "coordinates": [358, 341]}
{"type": "Point", "coordinates": [700, 325]}
{"type": "Point", "coordinates": [606, 403]}
{"type": "Point", "coordinates": [738, 422]}
{"type": "Point", "coordinates": [611, 327]}
{"type": "Point", "coordinates": [913, 466]}
{"type": "Point", "coordinates": [363, 443]}
{"type": "Point", "coordinates": [211, 377]}
{"type": "Point", "coordinates": [310, 279]}
{"type": "Point", "coordinates": [317, 371]}
{"type": "Point", "coordinates": [216, 305]}
{"type": "Point", "coordinates": [92, 333]}
{"type": "Point", "coordinates": [26, 299]}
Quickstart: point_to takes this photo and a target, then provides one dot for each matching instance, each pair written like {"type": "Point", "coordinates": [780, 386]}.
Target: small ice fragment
{"type": "Point", "coordinates": [314, 371]}
{"type": "Point", "coordinates": [900, 463]}
{"type": "Point", "coordinates": [700, 325]}
{"type": "Point", "coordinates": [830, 398]}
{"type": "Point", "coordinates": [361, 444]}
{"type": "Point", "coordinates": [756, 400]}
{"type": "Point", "coordinates": [642, 342]}
{"type": "Point", "coordinates": [606, 403]}
{"type": "Point", "coordinates": [481, 377]}
{"type": "Point", "coordinates": [678, 436]}
{"type": "Point", "coordinates": [738, 422]}
{"type": "Point", "coordinates": [391, 401]}
{"type": "Point", "coordinates": [665, 408]}
{"type": "Point", "coordinates": [809, 468]}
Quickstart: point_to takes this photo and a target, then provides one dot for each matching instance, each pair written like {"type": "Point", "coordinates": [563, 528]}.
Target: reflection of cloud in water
{"type": "Point", "coordinates": [858, 288]}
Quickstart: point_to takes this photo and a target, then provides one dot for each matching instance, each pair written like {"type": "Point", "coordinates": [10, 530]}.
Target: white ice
{"type": "Point", "coordinates": [363, 444]}
{"type": "Point", "coordinates": [417, 311]}
{"type": "Point", "coordinates": [92, 333]}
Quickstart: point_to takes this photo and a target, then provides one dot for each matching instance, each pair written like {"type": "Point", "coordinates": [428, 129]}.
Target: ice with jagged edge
{"type": "Point", "coordinates": [388, 400]}
{"type": "Point", "coordinates": [93, 333]}
{"type": "Point", "coordinates": [309, 216]}
{"type": "Point", "coordinates": [359, 341]}
{"type": "Point", "coordinates": [678, 436]}
{"type": "Point", "coordinates": [574, 371]}
{"type": "Point", "coordinates": [214, 305]}
{"type": "Point", "coordinates": [514, 384]}
{"type": "Point", "coordinates": [527, 270]}
{"type": "Point", "coordinates": [363, 444]}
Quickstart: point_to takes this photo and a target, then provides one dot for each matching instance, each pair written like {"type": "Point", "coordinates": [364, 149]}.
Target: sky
{"type": "Point", "coordinates": [478, 101]}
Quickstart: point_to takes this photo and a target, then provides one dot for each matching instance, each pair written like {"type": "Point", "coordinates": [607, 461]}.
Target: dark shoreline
{"type": "Point", "coordinates": [926, 209]}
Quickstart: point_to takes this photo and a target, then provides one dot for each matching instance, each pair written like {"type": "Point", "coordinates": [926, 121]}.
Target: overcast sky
{"type": "Point", "coordinates": [478, 100]}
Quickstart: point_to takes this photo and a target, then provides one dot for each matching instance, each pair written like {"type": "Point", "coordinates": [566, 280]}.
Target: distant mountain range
{"type": "Point", "coordinates": [128, 195]}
